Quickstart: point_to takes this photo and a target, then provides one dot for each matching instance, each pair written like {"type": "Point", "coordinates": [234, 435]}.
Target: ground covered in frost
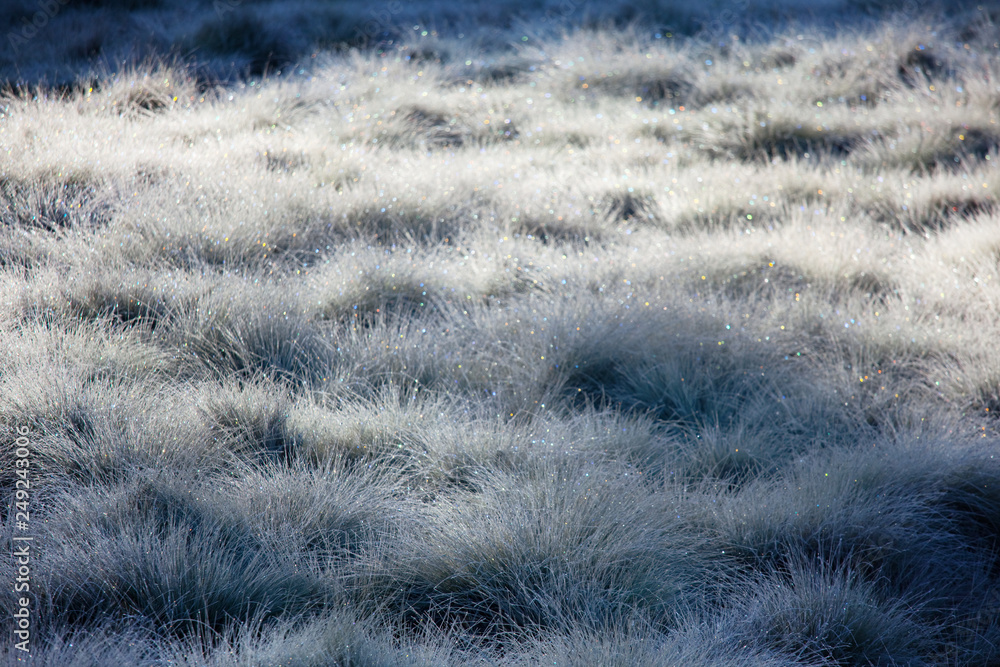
{"type": "Point", "coordinates": [606, 346]}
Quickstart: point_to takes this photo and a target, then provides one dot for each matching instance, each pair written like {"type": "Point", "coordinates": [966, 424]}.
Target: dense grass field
{"type": "Point", "coordinates": [597, 339]}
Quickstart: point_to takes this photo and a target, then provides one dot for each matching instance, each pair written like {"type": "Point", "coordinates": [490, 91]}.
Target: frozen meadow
{"type": "Point", "coordinates": [345, 337]}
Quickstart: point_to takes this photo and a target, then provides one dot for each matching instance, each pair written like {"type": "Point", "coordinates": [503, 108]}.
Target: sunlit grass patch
{"type": "Point", "coordinates": [504, 565]}
{"type": "Point", "coordinates": [770, 134]}
{"type": "Point", "coordinates": [54, 203]}
{"type": "Point", "coordinates": [224, 333]}
{"type": "Point", "coordinates": [176, 572]}
{"type": "Point", "coordinates": [248, 419]}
